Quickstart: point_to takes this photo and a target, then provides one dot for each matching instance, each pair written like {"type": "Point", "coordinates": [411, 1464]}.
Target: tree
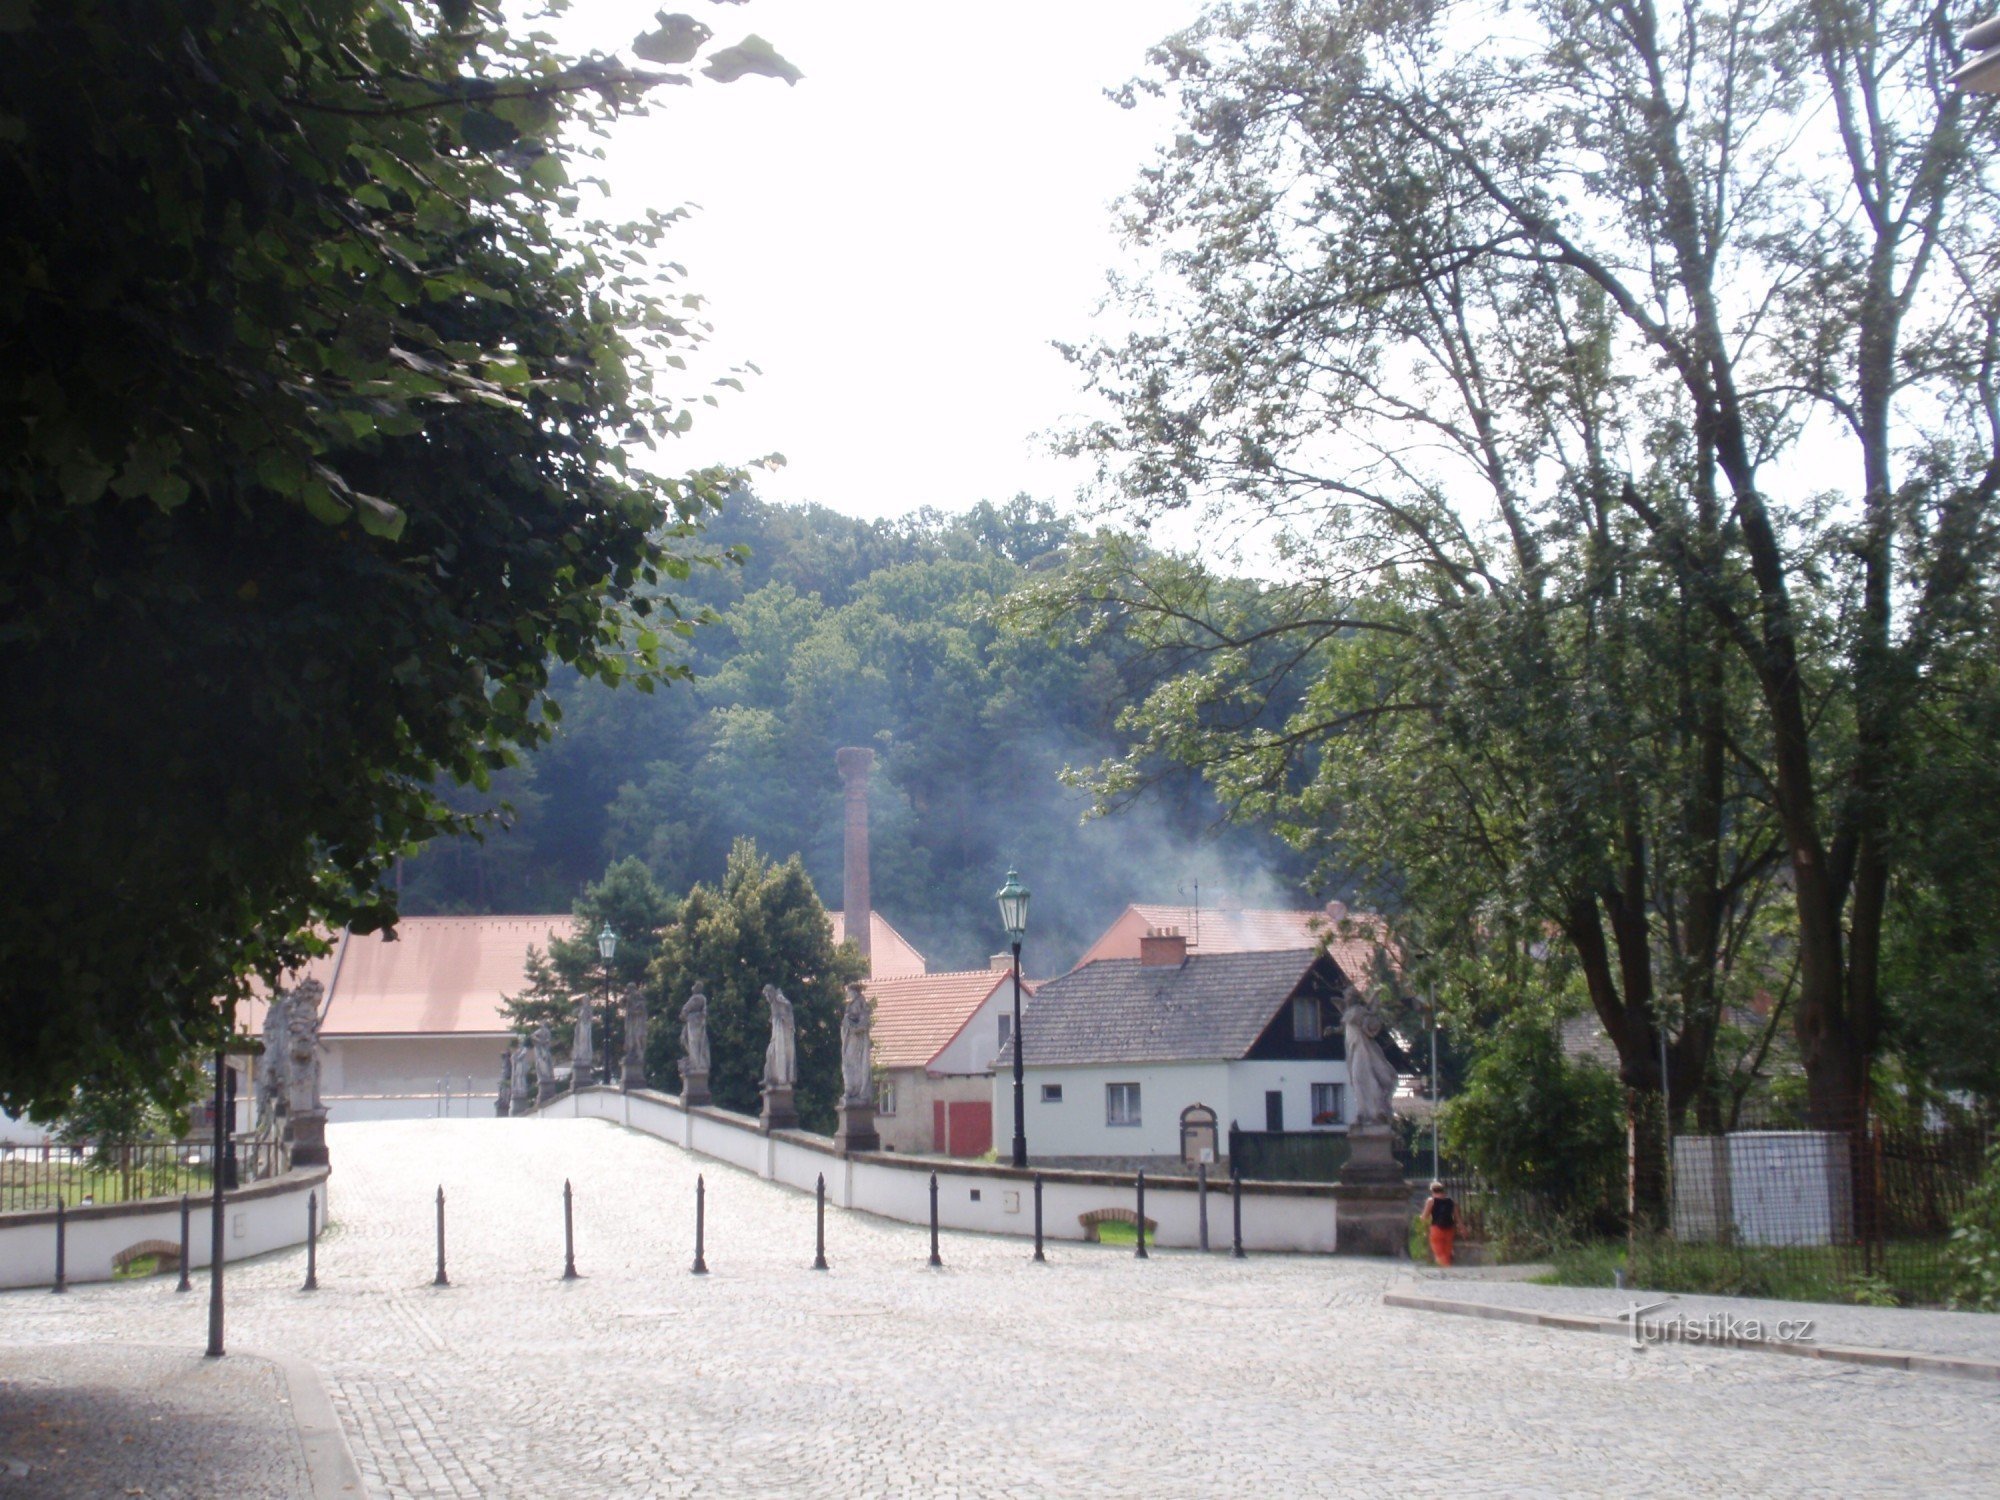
{"type": "Point", "coordinates": [1425, 299]}
{"type": "Point", "coordinates": [632, 905]}
{"type": "Point", "coordinates": [324, 399]}
{"type": "Point", "coordinates": [761, 924]}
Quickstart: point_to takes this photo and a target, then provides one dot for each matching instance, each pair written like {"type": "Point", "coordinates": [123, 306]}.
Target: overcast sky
{"type": "Point", "coordinates": [897, 239]}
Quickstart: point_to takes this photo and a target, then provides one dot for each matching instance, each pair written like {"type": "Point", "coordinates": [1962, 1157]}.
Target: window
{"type": "Point", "coordinates": [885, 1098]}
{"type": "Point", "coordinates": [1121, 1104]}
{"type": "Point", "coordinates": [1051, 1093]}
{"type": "Point", "coordinates": [1305, 1018]}
{"type": "Point", "coordinates": [1329, 1107]}
{"type": "Point", "coordinates": [1006, 1029]}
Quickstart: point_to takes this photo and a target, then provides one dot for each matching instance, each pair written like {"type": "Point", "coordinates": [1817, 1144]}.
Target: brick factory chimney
{"type": "Point", "coordinates": [855, 903]}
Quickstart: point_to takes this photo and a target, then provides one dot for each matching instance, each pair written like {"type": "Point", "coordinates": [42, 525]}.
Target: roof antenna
{"type": "Point", "coordinates": [1194, 941]}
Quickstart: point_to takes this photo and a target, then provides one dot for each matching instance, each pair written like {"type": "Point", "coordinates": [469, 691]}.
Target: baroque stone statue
{"type": "Point", "coordinates": [583, 1049]}
{"type": "Point", "coordinates": [522, 1073]}
{"type": "Point", "coordinates": [503, 1097]}
{"type": "Point", "coordinates": [694, 1034]}
{"type": "Point", "coordinates": [781, 1062]}
{"type": "Point", "coordinates": [545, 1065]}
{"type": "Point", "coordinates": [271, 1065]}
{"type": "Point", "coordinates": [1370, 1074]}
{"type": "Point", "coordinates": [302, 1048]}
{"type": "Point", "coordinates": [856, 1051]}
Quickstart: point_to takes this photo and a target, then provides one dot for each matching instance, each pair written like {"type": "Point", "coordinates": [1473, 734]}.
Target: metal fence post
{"type": "Point", "coordinates": [1038, 1218]}
{"type": "Point", "coordinates": [312, 1243]}
{"type": "Point", "coordinates": [1235, 1211]}
{"type": "Point", "coordinates": [441, 1279]}
{"type": "Point", "coordinates": [936, 1260]}
{"type": "Point", "coordinates": [1140, 1252]}
{"type": "Point", "coordinates": [569, 1236]}
{"type": "Point", "coordinates": [819, 1241]}
{"type": "Point", "coordinates": [186, 1285]}
{"type": "Point", "coordinates": [1201, 1199]}
{"type": "Point", "coordinates": [62, 1236]}
{"type": "Point", "coordinates": [700, 1215]}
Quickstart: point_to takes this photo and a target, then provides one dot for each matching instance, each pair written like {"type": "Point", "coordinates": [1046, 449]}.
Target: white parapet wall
{"type": "Point", "coordinates": [1277, 1216]}
{"type": "Point", "coordinates": [264, 1216]}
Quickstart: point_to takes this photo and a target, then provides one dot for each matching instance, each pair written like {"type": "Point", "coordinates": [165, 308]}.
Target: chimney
{"type": "Point", "coordinates": [855, 902]}
{"type": "Point", "coordinates": [1162, 947]}
{"type": "Point", "coordinates": [1002, 963]}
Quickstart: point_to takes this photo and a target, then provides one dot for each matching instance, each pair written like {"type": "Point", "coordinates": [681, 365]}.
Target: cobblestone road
{"type": "Point", "coordinates": [1179, 1376]}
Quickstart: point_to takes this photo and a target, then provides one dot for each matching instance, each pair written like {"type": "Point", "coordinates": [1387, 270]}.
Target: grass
{"type": "Point", "coordinates": [37, 1184]}
{"type": "Point", "coordinates": [1114, 1233]}
{"type": "Point", "coordinates": [1911, 1272]}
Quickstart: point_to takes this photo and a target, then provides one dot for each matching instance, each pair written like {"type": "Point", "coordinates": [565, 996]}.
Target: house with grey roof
{"type": "Point", "coordinates": [1115, 1050]}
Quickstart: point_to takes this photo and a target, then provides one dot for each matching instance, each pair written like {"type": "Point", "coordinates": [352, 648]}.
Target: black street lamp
{"type": "Point", "coordinates": [607, 947]}
{"type": "Point", "coordinates": [1013, 898]}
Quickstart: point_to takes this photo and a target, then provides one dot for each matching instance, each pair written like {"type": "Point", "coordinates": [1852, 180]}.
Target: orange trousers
{"type": "Point", "coordinates": [1441, 1241]}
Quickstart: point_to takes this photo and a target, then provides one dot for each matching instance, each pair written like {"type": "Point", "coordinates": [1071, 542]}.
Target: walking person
{"type": "Point", "coordinates": [1441, 1214]}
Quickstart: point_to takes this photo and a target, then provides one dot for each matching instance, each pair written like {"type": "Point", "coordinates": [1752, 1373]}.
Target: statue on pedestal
{"type": "Point", "coordinates": [1370, 1074]}
{"type": "Point", "coordinates": [271, 1067]}
{"type": "Point", "coordinates": [583, 1049]}
{"type": "Point", "coordinates": [545, 1067]}
{"type": "Point", "coordinates": [305, 1116]}
{"type": "Point", "coordinates": [523, 1072]}
{"type": "Point", "coordinates": [781, 1064]}
{"type": "Point", "coordinates": [503, 1097]}
{"type": "Point", "coordinates": [857, 1073]}
{"type": "Point", "coordinates": [694, 1049]}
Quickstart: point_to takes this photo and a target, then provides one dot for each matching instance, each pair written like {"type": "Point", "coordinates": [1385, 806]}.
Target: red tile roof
{"type": "Point", "coordinates": [1352, 938]}
{"type": "Point", "coordinates": [916, 1016]}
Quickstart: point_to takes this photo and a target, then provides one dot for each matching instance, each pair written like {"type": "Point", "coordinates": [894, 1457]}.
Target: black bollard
{"type": "Point", "coordinates": [186, 1285]}
{"type": "Point", "coordinates": [1235, 1212]}
{"type": "Point", "coordinates": [569, 1236]}
{"type": "Point", "coordinates": [441, 1279]}
{"type": "Point", "coordinates": [1140, 1251]}
{"type": "Point", "coordinates": [700, 1215]}
{"type": "Point", "coordinates": [819, 1250]}
{"type": "Point", "coordinates": [312, 1243]}
{"type": "Point", "coordinates": [1038, 1218]}
{"type": "Point", "coordinates": [1201, 1199]}
{"type": "Point", "coordinates": [936, 1260]}
{"type": "Point", "coordinates": [62, 1236]}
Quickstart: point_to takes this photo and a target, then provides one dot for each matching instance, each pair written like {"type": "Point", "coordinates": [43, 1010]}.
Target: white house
{"type": "Point", "coordinates": [1117, 1048]}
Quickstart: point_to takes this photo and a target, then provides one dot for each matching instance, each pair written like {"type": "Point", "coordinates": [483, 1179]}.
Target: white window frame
{"type": "Point", "coordinates": [1051, 1093]}
{"type": "Point", "coordinates": [1339, 1106]}
{"type": "Point", "coordinates": [885, 1097]}
{"type": "Point", "coordinates": [1006, 1030]}
{"type": "Point", "coordinates": [1127, 1094]}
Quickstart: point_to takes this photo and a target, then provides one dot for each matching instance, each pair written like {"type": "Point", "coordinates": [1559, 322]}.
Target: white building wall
{"type": "Point", "coordinates": [403, 1067]}
{"type": "Point", "coordinates": [1293, 1078]}
{"type": "Point", "coordinates": [1076, 1126]}
{"type": "Point", "coordinates": [978, 1041]}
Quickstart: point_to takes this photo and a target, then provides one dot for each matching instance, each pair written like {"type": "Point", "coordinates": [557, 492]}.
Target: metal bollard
{"type": "Point", "coordinates": [700, 1215]}
{"type": "Point", "coordinates": [1038, 1218]}
{"type": "Point", "coordinates": [936, 1260]}
{"type": "Point", "coordinates": [186, 1285]}
{"type": "Point", "coordinates": [62, 1238]}
{"type": "Point", "coordinates": [569, 1236]}
{"type": "Point", "coordinates": [1201, 1199]}
{"type": "Point", "coordinates": [442, 1279]}
{"type": "Point", "coordinates": [1235, 1212]}
{"type": "Point", "coordinates": [312, 1243]}
{"type": "Point", "coordinates": [819, 1243]}
{"type": "Point", "coordinates": [1140, 1252]}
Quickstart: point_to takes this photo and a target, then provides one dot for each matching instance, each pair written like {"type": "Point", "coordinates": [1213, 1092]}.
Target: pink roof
{"type": "Point", "coordinates": [891, 955]}
{"type": "Point", "coordinates": [1351, 938]}
{"type": "Point", "coordinates": [917, 1016]}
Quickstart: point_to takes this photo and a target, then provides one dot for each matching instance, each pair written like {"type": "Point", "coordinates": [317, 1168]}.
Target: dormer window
{"type": "Point", "coordinates": [1306, 1018]}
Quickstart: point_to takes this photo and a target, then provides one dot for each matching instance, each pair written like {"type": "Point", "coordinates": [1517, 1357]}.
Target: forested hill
{"type": "Point", "coordinates": [844, 632]}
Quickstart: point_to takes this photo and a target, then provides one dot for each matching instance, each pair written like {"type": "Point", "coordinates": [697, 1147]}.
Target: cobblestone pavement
{"type": "Point", "coordinates": [1182, 1375]}
{"type": "Point", "coordinates": [89, 1419]}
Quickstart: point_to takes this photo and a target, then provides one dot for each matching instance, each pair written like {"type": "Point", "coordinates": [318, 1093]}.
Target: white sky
{"type": "Point", "coordinates": [896, 240]}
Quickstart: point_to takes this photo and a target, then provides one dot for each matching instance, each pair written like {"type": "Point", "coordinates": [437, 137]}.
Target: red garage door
{"type": "Point", "coordinates": [962, 1129]}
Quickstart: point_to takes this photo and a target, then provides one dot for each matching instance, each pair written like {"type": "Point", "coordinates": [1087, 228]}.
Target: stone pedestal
{"type": "Point", "coordinates": [779, 1112]}
{"type": "Point", "coordinates": [694, 1088]}
{"type": "Point", "coordinates": [1372, 1202]}
{"type": "Point", "coordinates": [308, 1129]}
{"type": "Point", "coordinates": [856, 1131]}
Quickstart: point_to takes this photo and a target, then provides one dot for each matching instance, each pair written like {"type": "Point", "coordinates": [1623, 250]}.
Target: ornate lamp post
{"type": "Point", "coordinates": [607, 947]}
{"type": "Point", "coordinates": [1013, 899]}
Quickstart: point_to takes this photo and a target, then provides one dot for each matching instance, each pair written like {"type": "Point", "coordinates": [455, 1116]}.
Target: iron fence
{"type": "Point", "coordinates": [1288, 1155]}
{"type": "Point", "coordinates": [35, 1177]}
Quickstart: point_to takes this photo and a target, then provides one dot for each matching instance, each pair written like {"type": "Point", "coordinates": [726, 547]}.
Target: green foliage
{"type": "Point", "coordinates": [633, 905]}
{"type": "Point", "coordinates": [1972, 1259]}
{"type": "Point", "coordinates": [761, 924]}
{"type": "Point", "coordinates": [325, 405]}
{"type": "Point", "coordinates": [1547, 1133]}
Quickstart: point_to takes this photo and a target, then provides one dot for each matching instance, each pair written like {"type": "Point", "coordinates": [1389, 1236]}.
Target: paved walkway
{"type": "Point", "coordinates": [1182, 1375]}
